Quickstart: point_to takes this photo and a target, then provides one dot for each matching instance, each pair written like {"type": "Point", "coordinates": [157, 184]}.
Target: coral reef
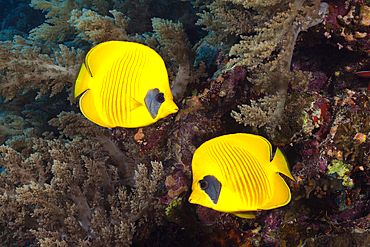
{"type": "Point", "coordinates": [234, 66]}
{"type": "Point", "coordinates": [68, 192]}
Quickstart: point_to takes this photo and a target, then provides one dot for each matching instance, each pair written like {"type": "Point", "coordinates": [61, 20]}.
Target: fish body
{"type": "Point", "coordinates": [238, 173]}
{"type": "Point", "coordinates": [123, 84]}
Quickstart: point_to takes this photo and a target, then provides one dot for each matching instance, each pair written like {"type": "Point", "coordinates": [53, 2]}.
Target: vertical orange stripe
{"type": "Point", "coordinates": [135, 70]}
{"type": "Point", "coordinates": [119, 81]}
{"type": "Point", "coordinates": [141, 66]}
{"type": "Point", "coordinates": [142, 63]}
{"type": "Point", "coordinates": [261, 179]}
{"type": "Point", "coordinates": [266, 192]}
{"type": "Point", "coordinates": [108, 96]}
{"type": "Point", "coordinates": [124, 101]}
{"type": "Point", "coordinates": [127, 85]}
{"type": "Point", "coordinates": [255, 188]}
{"type": "Point", "coordinates": [213, 154]}
{"type": "Point", "coordinates": [103, 92]}
{"type": "Point", "coordinates": [248, 194]}
{"type": "Point", "coordinates": [258, 171]}
{"type": "Point", "coordinates": [233, 163]}
{"type": "Point", "coordinates": [114, 92]}
{"type": "Point", "coordinates": [221, 161]}
{"type": "Point", "coordinates": [114, 88]}
{"type": "Point", "coordinates": [253, 177]}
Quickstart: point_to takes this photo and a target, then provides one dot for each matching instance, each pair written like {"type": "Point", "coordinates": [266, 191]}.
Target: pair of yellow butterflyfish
{"type": "Point", "coordinates": [125, 84]}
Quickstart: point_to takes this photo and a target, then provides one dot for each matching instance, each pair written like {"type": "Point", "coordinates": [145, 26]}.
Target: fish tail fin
{"type": "Point", "coordinates": [80, 84]}
{"type": "Point", "coordinates": [281, 163]}
{"type": "Point", "coordinates": [282, 195]}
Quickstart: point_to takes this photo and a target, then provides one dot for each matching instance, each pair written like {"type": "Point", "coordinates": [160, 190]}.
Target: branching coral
{"type": "Point", "coordinates": [261, 112]}
{"type": "Point", "coordinates": [67, 193]}
{"type": "Point", "coordinates": [274, 42]}
{"type": "Point", "coordinates": [73, 125]}
{"type": "Point", "coordinates": [26, 64]}
{"type": "Point", "coordinates": [225, 19]}
{"type": "Point", "coordinates": [171, 41]}
{"type": "Point", "coordinates": [175, 47]}
{"type": "Point", "coordinates": [24, 67]}
{"type": "Point", "coordinates": [277, 30]}
{"type": "Point", "coordinates": [56, 27]}
{"type": "Point", "coordinates": [266, 46]}
{"type": "Point", "coordinates": [92, 27]}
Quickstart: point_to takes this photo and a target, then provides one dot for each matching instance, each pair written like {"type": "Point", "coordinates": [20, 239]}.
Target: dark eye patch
{"type": "Point", "coordinates": [211, 186]}
{"type": "Point", "coordinates": [153, 101]}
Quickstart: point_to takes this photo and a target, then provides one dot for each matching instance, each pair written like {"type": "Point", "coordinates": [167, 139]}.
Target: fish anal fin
{"type": "Point", "coordinates": [281, 195]}
{"type": "Point", "coordinates": [245, 215]}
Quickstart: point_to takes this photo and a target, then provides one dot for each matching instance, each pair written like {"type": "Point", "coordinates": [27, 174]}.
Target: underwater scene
{"type": "Point", "coordinates": [184, 123]}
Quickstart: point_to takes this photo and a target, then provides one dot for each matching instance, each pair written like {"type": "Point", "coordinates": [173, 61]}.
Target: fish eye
{"type": "Point", "coordinates": [159, 97]}
{"type": "Point", "coordinates": [203, 184]}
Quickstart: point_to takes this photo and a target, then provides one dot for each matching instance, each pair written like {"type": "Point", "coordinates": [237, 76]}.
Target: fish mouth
{"type": "Point", "coordinates": [174, 109]}
{"type": "Point", "coordinates": [192, 198]}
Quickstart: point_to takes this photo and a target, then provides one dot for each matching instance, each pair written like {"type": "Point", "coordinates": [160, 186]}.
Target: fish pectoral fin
{"type": "Point", "coordinates": [134, 104]}
{"type": "Point", "coordinates": [245, 215]}
{"type": "Point", "coordinates": [281, 196]}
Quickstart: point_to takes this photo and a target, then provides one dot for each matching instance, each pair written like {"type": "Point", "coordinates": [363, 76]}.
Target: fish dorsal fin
{"type": "Point", "coordinates": [81, 83]}
{"type": "Point", "coordinates": [91, 60]}
{"type": "Point", "coordinates": [134, 104]}
{"type": "Point", "coordinates": [257, 145]}
{"type": "Point", "coordinates": [245, 215]}
{"type": "Point", "coordinates": [101, 56]}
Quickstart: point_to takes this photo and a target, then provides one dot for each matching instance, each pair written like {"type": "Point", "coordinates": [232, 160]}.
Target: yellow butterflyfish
{"type": "Point", "coordinates": [123, 84]}
{"type": "Point", "coordinates": [238, 174]}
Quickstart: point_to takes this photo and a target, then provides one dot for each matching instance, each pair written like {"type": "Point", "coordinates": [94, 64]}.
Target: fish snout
{"type": "Point", "coordinates": [192, 199]}
{"type": "Point", "coordinates": [172, 108]}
